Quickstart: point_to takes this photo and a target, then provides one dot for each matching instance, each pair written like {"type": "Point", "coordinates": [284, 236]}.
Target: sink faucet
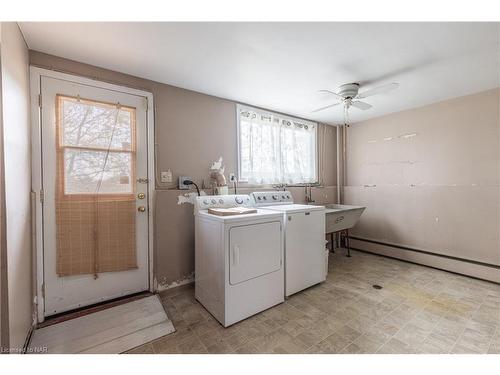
{"type": "Point", "coordinates": [309, 195]}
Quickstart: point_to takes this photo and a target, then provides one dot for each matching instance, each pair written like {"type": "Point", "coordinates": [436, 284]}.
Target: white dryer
{"type": "Point", "coordinates": [238, 259]}
{"type": "Point", "coordinates": [304, 239]}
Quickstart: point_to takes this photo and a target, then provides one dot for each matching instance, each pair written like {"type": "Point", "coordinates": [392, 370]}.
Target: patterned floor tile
{"type": "Point", "coordinates": [418, 310]}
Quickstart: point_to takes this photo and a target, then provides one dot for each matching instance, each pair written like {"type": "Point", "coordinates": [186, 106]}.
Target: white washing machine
{"type": "Point", "coordinates": [304, 239]}
{"type": "Point", "coordinates": [238, 260]}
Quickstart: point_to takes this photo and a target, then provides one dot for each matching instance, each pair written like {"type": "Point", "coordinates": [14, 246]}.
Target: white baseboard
{"type": "Point", "coordinates": [464, 267]}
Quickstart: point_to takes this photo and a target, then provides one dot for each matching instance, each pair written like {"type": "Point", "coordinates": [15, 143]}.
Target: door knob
{"type": "Point", "coordinates": [141, 209]}
{"type": "Point", "coordinates": [141, 195]}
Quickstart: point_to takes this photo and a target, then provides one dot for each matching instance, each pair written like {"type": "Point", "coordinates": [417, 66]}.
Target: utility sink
{"type": "Point", "coordinates": [341, 216]}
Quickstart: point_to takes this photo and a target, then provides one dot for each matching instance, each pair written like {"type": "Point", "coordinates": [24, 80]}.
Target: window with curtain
{"type": "Point", "coordinates": [276, 149]}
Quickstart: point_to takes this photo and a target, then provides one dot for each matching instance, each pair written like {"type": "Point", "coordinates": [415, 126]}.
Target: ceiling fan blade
{"type": "Point", "coordinates": [378, 90]}
{"type": "Point", "coordinates": [340, 97]}
{"type": "Point", "coordinates": [361, 105]}
{"type": "Point", "coordinates": [328, 106]}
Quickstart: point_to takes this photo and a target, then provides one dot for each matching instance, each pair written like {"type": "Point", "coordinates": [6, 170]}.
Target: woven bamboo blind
{"type": "Point", "coordinates": [95, 179]}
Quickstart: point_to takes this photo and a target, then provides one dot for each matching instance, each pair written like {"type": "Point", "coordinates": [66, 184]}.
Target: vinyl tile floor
{"type": "Point", "coordinates": [418, 310]}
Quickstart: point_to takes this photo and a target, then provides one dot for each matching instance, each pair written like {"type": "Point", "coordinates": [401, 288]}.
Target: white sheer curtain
{"type": "Point", "coordinates": [276, 149]}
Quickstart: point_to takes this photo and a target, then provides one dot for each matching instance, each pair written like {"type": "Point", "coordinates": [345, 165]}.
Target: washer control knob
{"type": "Point", "coordinates": [214, 201]}
{"type": "Point", "coordinates": [259, 198]}
{"type": "Point", "coordinates": [275, 197]}
{"type": "Point", "coordinates": [205, 202]}
{"type": "Point", "coordinates": [265, 198]}
{"type": "Point", "coordinates": [221, 201]}
{"type": "Point", "coordinates": [238, 200]}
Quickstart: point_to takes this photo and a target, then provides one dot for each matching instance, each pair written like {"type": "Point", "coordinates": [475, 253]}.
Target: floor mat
{"type": "Point", "coordinates": [114, 330]}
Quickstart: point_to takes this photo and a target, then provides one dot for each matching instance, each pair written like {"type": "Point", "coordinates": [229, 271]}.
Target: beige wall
{"type": "Point", "coordinates": [436, 191]}
{"type": "Point", "coordinates": [4, 313]}
{"type": "Point", "coordinates": [17, 156]}
{"type": "Point", "coordinates": [192, 130]}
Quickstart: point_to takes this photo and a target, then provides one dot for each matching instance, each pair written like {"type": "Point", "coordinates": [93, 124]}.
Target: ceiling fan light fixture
{"type": "Point", "coordinates": [349, 95]}
{"type": "Point", "coordinates": [348, 90]}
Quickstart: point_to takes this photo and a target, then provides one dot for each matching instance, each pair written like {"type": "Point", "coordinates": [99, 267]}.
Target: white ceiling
{"type": "Point", "coordinates": [281, 66]}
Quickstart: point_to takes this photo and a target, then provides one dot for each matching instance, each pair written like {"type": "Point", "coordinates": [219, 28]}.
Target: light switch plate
{"type": "Point", "coordinates": [166, 176]}
{"type": "Point", "coordinates": [232, 177]}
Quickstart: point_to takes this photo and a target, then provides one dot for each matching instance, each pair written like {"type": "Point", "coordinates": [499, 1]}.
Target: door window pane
{"type": "Point", "coordinates": [93, 124]}
{"type": "Point", "coordinates": [92, 172]}
{"type": "Point", "coordinates": [96, 146]}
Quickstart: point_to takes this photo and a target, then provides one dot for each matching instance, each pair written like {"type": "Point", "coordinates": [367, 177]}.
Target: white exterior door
{"type": "Point", "coordinates": [95, 194]}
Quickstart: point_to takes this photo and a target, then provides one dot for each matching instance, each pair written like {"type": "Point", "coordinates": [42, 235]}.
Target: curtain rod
{"type": "Point", "coordinates": [277, 119]}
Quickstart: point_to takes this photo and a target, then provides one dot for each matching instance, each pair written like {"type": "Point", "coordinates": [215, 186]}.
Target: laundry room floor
{"type": "Point", "coordinates": [418, 310]}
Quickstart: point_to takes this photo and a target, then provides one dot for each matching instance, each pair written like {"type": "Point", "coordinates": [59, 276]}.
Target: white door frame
{"type": "Point", "coordinates": [37, 168]}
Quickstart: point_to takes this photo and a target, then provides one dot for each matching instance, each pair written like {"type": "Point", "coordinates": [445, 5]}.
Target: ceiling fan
{"type": "Point", "coordinates": [348, 94]}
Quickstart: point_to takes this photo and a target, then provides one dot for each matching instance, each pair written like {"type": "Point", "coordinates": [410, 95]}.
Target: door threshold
{"type": "Point", "coordinates": [82, 311]}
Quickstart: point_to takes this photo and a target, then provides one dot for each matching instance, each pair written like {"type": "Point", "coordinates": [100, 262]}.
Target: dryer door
{"type": "Point", "coordinates": [254, 250]}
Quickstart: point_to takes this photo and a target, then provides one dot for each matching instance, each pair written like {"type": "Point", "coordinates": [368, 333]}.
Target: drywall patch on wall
{"type": "Point", "coordinates": [189, 197]}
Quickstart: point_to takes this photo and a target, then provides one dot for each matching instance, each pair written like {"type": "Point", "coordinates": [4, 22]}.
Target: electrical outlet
{"type": "Point", "coordinates": [232, 177]}
{"type": "Point", "coordinates": [182, 185]}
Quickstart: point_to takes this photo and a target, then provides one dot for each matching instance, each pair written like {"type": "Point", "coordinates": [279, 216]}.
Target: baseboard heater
{"type": "Point", "coordinates": [463, 266]}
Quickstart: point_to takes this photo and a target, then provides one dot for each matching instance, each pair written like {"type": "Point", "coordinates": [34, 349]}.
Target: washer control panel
{"type": "Point", "coordinates": [269, 198]}
{"type": "Point", "coordinates": [223, 201]}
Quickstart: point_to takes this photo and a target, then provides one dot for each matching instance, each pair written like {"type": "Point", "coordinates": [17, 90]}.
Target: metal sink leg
{"type": "Point", "coordinates": [346, 240]}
